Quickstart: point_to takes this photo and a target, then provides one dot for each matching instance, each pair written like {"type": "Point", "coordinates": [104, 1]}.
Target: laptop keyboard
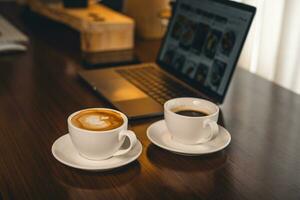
{"type": "Point", "coordinates": [155, 83]}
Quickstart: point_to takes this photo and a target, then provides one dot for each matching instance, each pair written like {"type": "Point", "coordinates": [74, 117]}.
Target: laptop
{"type": "Point", "coordinates": [197, 58]}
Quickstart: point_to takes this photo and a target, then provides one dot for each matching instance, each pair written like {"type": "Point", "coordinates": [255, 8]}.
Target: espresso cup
{"type": "Point", "coordinates": [196, 129]}
{"type": "Point", "coordinates": [104, 143]}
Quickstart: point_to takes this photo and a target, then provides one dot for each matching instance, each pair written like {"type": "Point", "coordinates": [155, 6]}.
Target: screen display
{"type": "Point", "coordinates": [203, 42]}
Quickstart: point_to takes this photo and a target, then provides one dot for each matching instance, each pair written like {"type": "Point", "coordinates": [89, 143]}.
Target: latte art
{"type": "Point", "coordinates": [97, 120]}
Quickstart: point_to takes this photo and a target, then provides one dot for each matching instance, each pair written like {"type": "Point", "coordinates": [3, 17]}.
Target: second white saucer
{"type": "Point", "coordinates": [159, 135]}
{"type": "Point", "coordinates": [64, 151]}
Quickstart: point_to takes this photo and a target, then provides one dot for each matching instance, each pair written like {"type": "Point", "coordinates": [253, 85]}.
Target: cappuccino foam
{"type": "Point", "coordinates": [97, 120]}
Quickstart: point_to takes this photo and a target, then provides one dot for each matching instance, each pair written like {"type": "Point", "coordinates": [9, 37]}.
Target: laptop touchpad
{"type": "Point", "coordinates": [118, 89]}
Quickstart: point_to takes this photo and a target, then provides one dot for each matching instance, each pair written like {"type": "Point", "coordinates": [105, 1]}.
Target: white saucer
{"type": "Point", "coordinates": [64, 151]}
{"type": "Point", "coordinates": [159, 135]}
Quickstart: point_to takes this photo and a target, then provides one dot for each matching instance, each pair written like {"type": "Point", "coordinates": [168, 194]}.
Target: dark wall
{"type": "Point", "coordinates": [114, 4]}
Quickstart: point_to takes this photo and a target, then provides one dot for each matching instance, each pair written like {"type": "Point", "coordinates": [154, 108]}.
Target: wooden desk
{"type": "Point", "coordinates": [40, 88]}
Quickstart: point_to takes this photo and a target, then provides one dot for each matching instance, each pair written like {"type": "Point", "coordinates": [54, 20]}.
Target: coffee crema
{"type": "Point", "coordinates": [189, 112]}
{"type": "Point", "coordinates": [97, 120]}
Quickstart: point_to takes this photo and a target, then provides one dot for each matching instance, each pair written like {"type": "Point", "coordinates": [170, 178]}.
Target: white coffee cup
{"type": "Point", "coordinates": [100, 145]}
{"type": "Point", "coordinates": [190, 129]}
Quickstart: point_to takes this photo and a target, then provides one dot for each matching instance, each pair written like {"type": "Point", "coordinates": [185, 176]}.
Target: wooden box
{"type": "Point", "coordinates": [101, 29]}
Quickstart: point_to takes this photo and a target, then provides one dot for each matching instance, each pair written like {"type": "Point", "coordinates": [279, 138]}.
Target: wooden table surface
{"type": "Point", "coordinates": [40, 88]}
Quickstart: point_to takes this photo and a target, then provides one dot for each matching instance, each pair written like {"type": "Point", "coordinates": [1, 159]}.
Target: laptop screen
{"type": "Point", "coordinates": [203, 43]}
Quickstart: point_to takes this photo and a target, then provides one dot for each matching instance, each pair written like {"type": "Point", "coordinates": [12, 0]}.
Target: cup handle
{"type": "Point", "coordinates": [214, 130]}
{"type": "Point", "coordinates": [132, 140]}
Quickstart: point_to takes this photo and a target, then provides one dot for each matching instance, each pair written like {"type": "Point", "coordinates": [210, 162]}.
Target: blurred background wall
{"type": "Point", "coordinates": [272, 49]}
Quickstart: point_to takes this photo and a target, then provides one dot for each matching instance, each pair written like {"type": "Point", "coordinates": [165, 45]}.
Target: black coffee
{"type": "Point", "coordinates": [191, 113]}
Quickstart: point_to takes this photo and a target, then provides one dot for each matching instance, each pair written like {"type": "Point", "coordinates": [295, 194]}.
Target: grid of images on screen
{"type": "Point", "coordinates": [205, 36]}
